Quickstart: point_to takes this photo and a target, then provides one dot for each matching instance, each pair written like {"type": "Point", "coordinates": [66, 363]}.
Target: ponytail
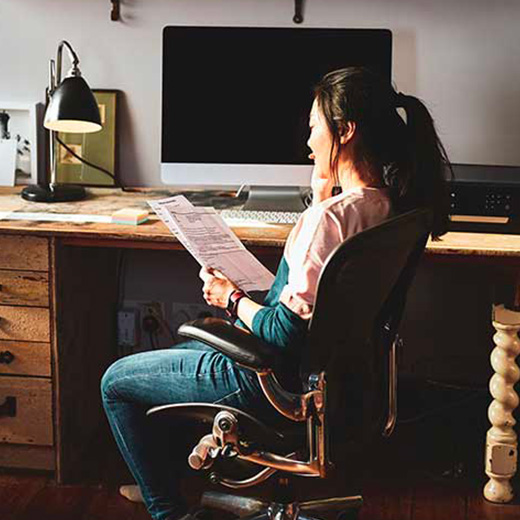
{"type": "Point", "coordinates": [427, 164]}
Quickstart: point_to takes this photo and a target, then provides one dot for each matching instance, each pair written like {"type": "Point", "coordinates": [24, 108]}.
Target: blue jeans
{"type": "Point", "coordinates": [189, 372]}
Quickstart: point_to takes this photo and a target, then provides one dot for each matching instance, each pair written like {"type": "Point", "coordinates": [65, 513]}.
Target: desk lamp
{"type": "Point", "coordinates": [71, 107]}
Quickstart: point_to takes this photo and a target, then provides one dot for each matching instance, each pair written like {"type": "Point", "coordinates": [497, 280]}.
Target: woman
{"type": "Point", "coordinates": [383, 165]}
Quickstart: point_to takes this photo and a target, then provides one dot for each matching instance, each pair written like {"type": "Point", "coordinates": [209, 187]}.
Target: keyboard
{"type": "Point", "coordinates": [240, 216]}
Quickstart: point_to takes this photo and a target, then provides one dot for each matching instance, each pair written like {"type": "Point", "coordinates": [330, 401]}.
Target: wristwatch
{"type": "Point", "coordinates": [233, 300]}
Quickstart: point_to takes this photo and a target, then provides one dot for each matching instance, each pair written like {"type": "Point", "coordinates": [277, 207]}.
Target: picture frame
{"type": "Point", "coordinates": [98, 148]}
{"type": "Point", "coordinates": [18, 144]}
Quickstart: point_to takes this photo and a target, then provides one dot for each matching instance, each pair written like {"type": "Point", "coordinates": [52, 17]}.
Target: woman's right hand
{"type": "Point", "coordinates": [321, 184]}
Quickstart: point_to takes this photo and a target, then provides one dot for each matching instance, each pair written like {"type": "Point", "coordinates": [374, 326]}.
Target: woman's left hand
{"type": "Point", "coordinates": [216, 288]}
{"type": "Point", "coordinates": [321, 184]}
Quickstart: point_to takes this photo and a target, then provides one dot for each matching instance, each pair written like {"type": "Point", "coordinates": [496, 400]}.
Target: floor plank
{"type": "Point", "coordinates": [57, 503]}
{"type": "Point", "coordinates": [17, 491]}
{"type": "Point", "coordinates": [480, 509]}
{"type": "Point", "coordinates": [414, 497]}
{"type": "Point", "coordinates": [108, 504]}
{"type": "Point", "coordinates": [387, 500]}
{"type": "Point", "coordinates": [439, 500]}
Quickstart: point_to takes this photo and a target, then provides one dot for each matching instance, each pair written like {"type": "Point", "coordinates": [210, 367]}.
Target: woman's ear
{"type": "Point", "coordinates": [348, 132]}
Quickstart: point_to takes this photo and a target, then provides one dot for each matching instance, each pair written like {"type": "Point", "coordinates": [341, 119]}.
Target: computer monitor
{"type": "Point", "coordinates": [236, 101]}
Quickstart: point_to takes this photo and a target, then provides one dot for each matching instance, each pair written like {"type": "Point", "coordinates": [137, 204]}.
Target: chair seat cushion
{"type": "Point", "coordinates": [257, 434]}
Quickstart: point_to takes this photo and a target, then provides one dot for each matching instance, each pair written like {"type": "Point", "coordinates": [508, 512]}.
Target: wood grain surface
{"type": "Point", "coordinates": [154, 234]}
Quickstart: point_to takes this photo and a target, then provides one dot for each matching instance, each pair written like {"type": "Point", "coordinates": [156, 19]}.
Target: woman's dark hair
{"type": "Point", "coordinates": [406, 156]}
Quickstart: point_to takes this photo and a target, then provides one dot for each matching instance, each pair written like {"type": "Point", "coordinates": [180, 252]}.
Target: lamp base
{"type": "Point", "coordinates": [53, 193]}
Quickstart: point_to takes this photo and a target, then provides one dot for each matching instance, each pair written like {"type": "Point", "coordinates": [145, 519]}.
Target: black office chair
{"type": "Point", "coordinates": [347, 371]}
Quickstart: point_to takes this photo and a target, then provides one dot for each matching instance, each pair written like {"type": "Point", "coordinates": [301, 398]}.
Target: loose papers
{"type": "Point", "coordinates": [203, 232]}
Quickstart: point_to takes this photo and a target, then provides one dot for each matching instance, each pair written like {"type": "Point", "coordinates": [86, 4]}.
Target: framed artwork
{"type": "Point", "coordinates": [18, 144]}
{"type": "Point", "coordinates": [98, 149]}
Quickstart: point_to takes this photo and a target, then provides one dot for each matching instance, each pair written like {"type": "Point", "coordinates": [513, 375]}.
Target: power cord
{"type": "Point", "coordinates": [152, 340]}
{"type": "Point", "coordinates": [92, 165]}
{"type": "Point", "coordinates": [121, 276]}
{"type": "Point", "coordinates": [180, 316]}
{"type": "Point", "coordinates": [155, 322]}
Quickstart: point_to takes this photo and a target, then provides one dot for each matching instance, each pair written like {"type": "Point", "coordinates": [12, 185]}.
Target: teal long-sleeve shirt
{"type": "Point", "coordinates": [275, 323]}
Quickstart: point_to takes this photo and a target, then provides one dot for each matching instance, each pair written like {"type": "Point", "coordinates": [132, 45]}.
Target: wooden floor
{"type": "Point", "coordinates": [37, 497]}
{"type": "Point", "coordinates": [430, 469]}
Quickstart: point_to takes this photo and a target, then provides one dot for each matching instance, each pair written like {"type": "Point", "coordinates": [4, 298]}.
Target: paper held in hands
{"type": "Point", "coordinates": [203, 232]}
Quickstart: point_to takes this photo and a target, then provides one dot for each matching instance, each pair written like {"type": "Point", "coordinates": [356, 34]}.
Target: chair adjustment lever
{"type": "Point", "coordinates": [222, 441]}
{"type": "Point", "coordinates": [203, 454]}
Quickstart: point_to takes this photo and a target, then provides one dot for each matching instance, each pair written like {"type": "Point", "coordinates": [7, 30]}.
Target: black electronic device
{"type": "Point", "coordinates": [485, 199]}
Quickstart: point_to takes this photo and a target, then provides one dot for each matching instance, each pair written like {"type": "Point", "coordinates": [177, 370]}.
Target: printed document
{"type": "Point", "coordinates": [204, 233]}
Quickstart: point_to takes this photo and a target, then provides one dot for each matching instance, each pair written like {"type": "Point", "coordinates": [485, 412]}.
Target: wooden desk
{"type": "Point", "coordinates": [58, 300]}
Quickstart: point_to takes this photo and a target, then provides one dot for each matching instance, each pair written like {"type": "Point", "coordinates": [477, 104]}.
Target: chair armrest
{"type": "Point", "coordinates": [250, 352]}
{"type": "Point", "coordinates": [238, 344]}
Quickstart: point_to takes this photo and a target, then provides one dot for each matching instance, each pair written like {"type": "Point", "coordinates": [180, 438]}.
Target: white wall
{"type": "Point", "coordinates": [461, 56]}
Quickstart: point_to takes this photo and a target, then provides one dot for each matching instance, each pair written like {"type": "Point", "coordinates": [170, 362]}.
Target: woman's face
{"type": "Point", "coordinates": [320, 140]}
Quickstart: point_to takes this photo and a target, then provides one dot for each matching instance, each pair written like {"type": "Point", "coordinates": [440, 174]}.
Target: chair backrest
{"type": "Point", "coordinates": [359, 304]}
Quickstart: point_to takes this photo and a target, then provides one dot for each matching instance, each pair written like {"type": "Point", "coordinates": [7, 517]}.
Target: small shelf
{"type": "Point", "coordinates": [115, 13]}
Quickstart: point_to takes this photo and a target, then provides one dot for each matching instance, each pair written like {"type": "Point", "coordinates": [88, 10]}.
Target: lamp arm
{"type": "Point", "coordinates": [73, 58]}
{"type": "Point", "coordinates": [54, 83]}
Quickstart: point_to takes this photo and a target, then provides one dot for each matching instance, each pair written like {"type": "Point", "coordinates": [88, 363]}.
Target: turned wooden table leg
{"type": "Point", "coordinates": [501, 440]}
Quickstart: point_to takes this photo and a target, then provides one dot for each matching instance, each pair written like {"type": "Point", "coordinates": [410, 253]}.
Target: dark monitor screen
{"type": "Point", "coordinates": [243, 95]}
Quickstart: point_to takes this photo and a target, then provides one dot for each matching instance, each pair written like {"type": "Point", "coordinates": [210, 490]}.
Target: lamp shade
{"type": "Point", "coordinates": [73, 108]}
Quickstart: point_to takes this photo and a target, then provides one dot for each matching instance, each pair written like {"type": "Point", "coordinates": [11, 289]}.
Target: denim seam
{"type": "Point", "coordinates": [235, 392]}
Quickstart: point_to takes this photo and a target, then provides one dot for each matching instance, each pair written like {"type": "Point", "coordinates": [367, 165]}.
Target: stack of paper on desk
{"type": "Point", "coordinates": [209, 239]}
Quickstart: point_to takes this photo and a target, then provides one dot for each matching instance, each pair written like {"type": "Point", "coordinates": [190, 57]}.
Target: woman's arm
{"type": "Point", "coordinates": [277, 325]}
{"type": "Point", "coordinates": [246, 311]}
{"type": "Point", "coordinates": [217, 289]}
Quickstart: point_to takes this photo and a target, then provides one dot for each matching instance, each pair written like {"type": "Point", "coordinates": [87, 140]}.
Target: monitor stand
{"type": "Point", "coordinates": [275, 198]}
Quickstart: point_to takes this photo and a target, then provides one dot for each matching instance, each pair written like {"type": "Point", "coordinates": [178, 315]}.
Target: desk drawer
{"type": "Point", "coordinates": [26, 411]}
{"type": "Point", "coordinates": [24, 288]}
{"type": "Point", "coordinates": [24, 253]}
{"type": "Point", "coordinates": [19, 358]}
{"type": "Point", "coordinates": [24, 323]}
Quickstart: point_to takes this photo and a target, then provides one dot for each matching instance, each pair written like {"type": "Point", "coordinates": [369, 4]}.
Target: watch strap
{"type": "Point", "coordinates": [233, 300]}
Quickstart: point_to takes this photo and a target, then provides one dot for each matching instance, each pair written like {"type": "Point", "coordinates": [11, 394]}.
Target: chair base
{"type": "Point", "coordinates": [254, 509]}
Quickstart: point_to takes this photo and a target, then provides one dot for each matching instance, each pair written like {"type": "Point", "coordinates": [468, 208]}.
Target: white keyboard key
{"type": "Point", "coordinates": [238, 216]}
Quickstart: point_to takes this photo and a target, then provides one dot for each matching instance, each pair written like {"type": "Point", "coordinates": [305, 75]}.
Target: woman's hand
{"type": "Point", "coordinates": [321, 184]}
{"type": "Point", "coordinates": [216, 288]}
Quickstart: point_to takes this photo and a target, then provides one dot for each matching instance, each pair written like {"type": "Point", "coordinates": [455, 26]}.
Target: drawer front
{"type": "Point", "coordinates": [24, 288]}
{"type": "Point", "coordinates": [25, 358]}
{"type": "Point", "coordinates": [24, 323]}
{"type": "Point", "coordinates": [27, 456]}
{"type": "Point", "coordinates": [24, 253]}
{"type": "Point", "coordinates": [26, 411]}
